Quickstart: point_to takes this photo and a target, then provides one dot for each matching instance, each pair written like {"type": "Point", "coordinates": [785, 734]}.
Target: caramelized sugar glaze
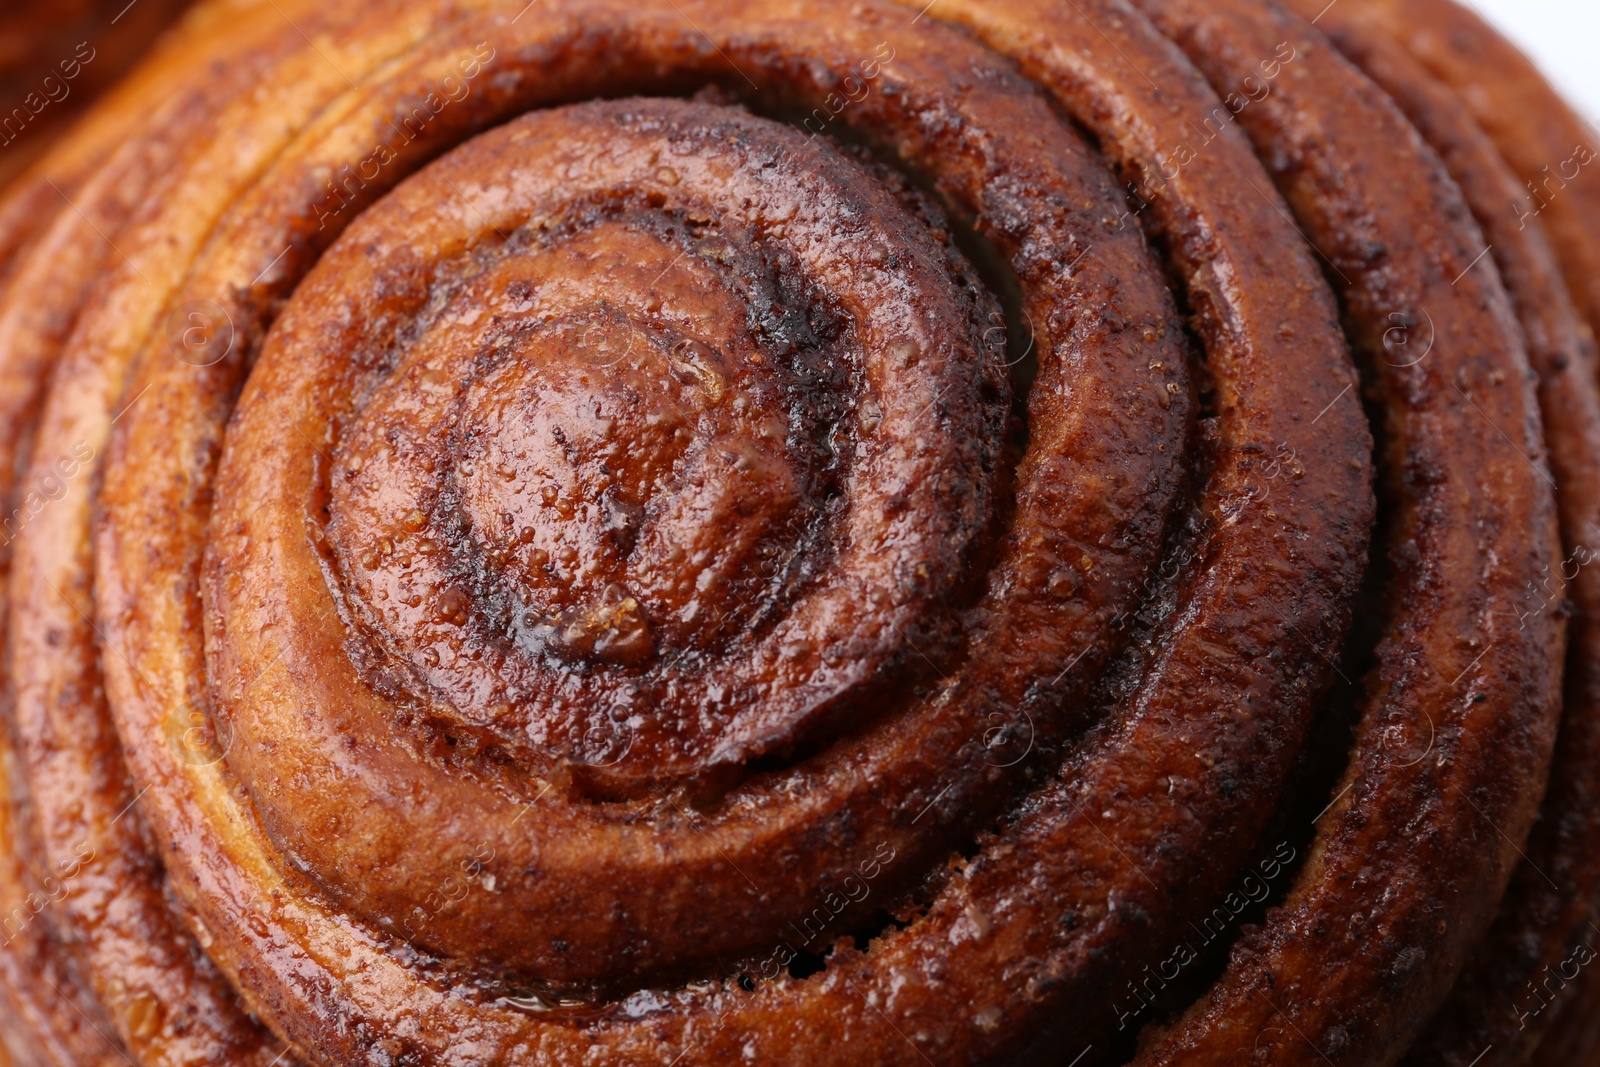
{"type": "Point", "coordinates": [708, 533]}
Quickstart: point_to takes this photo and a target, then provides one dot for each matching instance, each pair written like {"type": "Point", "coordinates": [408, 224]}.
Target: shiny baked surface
{"type": "Point", "coordinates": [848, 533]}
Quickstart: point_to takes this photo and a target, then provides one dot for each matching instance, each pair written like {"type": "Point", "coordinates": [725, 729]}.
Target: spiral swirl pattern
{"type": "Point", "coordinates": [697, 532]}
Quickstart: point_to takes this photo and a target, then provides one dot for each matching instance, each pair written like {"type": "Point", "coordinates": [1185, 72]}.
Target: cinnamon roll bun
{"type": "Point", "coordinates": [696, 532]}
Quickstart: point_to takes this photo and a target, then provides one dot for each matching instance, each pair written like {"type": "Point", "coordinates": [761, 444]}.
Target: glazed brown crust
{"type": "Point", "coordinates": [1156, 766]}
{"type": "Point", "coordinates": [1554, 921]}
{"type": "Point", "coordinates": [668, 878]}
{"type": "Point", "coordinates": [832, 1003]}
{"type": "Point", "coordinates": [56, 1018]}
{"type": "Point", "coordinates": [1547, 920]}
{"type": "Point", "coordinates": [442, 680]}
{"type": "Point", "coordinates": [90, 859]}
{"type": "Point", "coordinates": [51, 1017]}
{"type": "Point", "coordinates": [1457, 730]}
{"type": "Point", "coordinates": [88, 839]}
{"type": "Point", "coordinates": [1498, 1012]}
{"type": "Point", "coordinates": [1535, 130]}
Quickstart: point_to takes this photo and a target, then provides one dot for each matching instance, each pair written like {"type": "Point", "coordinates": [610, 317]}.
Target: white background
{"type": "Point", "coordinates": [1562, 36]}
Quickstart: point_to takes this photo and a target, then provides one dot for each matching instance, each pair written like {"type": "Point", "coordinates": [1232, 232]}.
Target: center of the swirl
{"type": "Point", "coordinates": [590, 460]}
{"type": "Point", "coordinates": [629, 482]}
{"type": "Point", "coordinates": [665, 466]}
